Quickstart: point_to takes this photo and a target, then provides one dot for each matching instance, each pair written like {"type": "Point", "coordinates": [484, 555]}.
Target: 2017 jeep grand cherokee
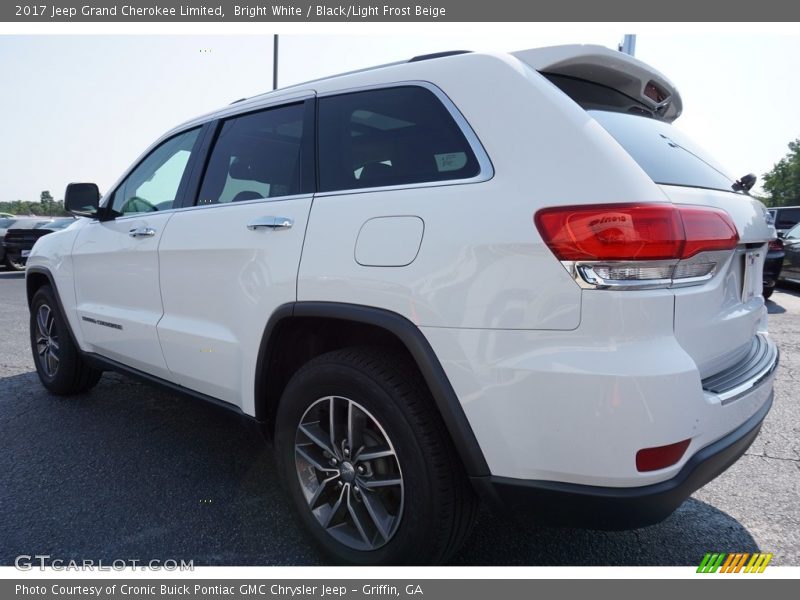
{"type": "Point", "coordinates": [465, 275]}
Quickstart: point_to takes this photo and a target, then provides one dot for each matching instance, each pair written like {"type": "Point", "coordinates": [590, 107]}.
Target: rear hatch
{"type": "Point", "coordinates": [715, 321]}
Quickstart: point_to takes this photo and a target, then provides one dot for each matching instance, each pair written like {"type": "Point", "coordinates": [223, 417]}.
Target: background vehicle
{"type": "Point", "coordinates": [785, 217]}
{"type": "Point", "coordinates": [364, 267]}
{"type": "Point", "coordinates": [772, 266]}
{"type": "Point", "coordinates": [17, 223]}
{"type": "Point", "coordinates": [21, 237]}
{"type": "Point", "coordinates": [791, 261]}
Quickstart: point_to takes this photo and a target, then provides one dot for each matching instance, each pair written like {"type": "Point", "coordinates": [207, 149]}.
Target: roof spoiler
{"type": "Point", "coordinates": [610, 68]}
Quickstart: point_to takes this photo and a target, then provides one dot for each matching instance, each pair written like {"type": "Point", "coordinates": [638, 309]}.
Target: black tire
{"type": "Point", "coordinates": [767, 292]}
{"type": "Point", "coordinates": [438, 503]}
{"type": "Point", "coordinates": [14, 262]}
{"type": "Point", "coordinates": [70, 374]}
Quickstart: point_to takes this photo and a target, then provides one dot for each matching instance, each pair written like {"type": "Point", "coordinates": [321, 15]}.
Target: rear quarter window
{"type": "Point", "coordinates": [393, 136]}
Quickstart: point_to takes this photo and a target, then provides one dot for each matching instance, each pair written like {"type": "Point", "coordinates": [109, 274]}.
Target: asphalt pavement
{"type": "Point", "coordinates": [128, 471]}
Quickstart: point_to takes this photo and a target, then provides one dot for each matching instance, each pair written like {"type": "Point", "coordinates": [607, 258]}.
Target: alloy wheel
{"type": "Point", "coordinates": [349, 473]}
{"type": "Point", "coordinates": [47, 344]}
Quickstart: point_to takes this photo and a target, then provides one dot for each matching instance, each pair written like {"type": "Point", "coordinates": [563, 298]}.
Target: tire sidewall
{"type": "Point", "coordinates": [320, 381]}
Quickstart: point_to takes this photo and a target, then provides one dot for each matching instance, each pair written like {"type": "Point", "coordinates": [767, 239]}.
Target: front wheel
{"type": "Point", "coordinates": [14, 262]}
{"type": "Point", "coordinates": [767, 292]}
{"type": "Point", "coordinates": [59, 364]}
{"type": "Point", "coordinates": [367, 461]}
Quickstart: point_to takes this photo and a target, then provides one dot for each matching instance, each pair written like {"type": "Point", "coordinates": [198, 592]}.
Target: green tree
{"type": "Point", "coordinates": [46, 200]}
{"type": "Point", "coordinates": [782, 183]}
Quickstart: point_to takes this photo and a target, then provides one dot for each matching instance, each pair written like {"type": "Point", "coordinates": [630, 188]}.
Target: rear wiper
{"type": "Point", "coordinates": [745, 183]}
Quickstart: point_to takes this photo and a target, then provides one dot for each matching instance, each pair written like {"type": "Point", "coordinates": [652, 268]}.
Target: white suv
{"type": "Point", "coordinates": [467, 275]}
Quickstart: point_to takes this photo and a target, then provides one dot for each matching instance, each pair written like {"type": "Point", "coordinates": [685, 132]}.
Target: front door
{"type": "Point", "coordinates": [116, 260]}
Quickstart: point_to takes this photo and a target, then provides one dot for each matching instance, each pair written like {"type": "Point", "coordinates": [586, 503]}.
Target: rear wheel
{"type": "Point", "coordinates": [59, 364]}
{"type": "Point", "coordinates": [371, 471]}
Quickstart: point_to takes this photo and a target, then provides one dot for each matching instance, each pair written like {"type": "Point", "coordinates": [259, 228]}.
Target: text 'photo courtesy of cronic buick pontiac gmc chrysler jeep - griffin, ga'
{"type": "Point", "coordinates": [465, 276]}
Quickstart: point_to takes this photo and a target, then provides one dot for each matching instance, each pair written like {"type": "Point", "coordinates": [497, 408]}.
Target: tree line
{"type": "Point", "coordinates": [782, 182]}
{"type": "Point", "coordinates": [46, 207]}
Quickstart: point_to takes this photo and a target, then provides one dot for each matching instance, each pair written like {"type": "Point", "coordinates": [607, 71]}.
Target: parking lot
{"type": "Point", "coordinates": [131, 472]}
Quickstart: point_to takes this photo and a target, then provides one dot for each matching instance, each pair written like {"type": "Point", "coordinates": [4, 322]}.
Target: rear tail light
{"type": "Point", "coordinates": [638, 245]}
{"type": "Point", "coordinates": [661, 457]}
{"type": "Point", "coordinates": [775, 245]}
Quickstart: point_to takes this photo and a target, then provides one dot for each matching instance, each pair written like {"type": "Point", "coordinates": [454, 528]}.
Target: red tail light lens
{"type": "Point", "coordinates": [706, 229]}
{"type": "Point", "coordinates": [775, 245]}
{"type": "Point", "coordinates": [653, 459]}
{"type": "Point", "coordinates": [629, 232]}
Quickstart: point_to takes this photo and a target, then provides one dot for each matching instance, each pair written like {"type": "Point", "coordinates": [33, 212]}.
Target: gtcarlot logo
{"type": "Point", "coordinates": [27, 562]}
{"type": "Point", "coordinates": [721, 562]}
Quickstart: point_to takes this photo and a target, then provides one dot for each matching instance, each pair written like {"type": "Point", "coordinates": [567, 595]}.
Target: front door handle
{"type": "Point", "coordinates": [271, 223]}
{"type": "Point", "coordinates": [141, 232]}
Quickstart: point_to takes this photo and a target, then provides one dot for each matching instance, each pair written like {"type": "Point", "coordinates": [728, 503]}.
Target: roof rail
{"type": "Point", "coordinates": [422, 57]}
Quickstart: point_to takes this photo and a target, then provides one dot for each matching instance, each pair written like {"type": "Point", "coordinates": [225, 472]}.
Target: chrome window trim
{"type": "Point", "coordinates": [485, 167]}
{"type": "Point", "coordinates": [144, 215]}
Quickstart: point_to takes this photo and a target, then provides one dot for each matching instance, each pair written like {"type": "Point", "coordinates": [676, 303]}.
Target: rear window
{"type": "Point", "coordinates": [787, 218]}
{"type": "Point", "coordinates": [394, 136]}
{"type": "Point", "coordinates": [665, 153]}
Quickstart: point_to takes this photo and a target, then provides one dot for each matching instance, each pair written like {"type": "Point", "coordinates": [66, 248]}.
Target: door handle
{"type": "Point", "coordinates": [140, 232]}
{"type": "Point", "coordinates": [270, 223]}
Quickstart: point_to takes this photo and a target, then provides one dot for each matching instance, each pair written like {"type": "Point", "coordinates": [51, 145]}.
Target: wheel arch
{"type": "Point", "coordinates": [37, 277]}
{"type": "Point", "coordinates": [356, 322]}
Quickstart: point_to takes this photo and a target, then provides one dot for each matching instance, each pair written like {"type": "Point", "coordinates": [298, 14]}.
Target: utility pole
{"type": "Point", "coordinates": [275, 62]}
{"type": "Point", "coordinates": [628, 44]}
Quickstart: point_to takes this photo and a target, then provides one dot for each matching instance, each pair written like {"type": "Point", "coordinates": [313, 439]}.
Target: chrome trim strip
{"type": "Point", "coordinates": [486, 169]}
{"type": "Point", "coordinates": [728, 385]}
{"type": "Point", "coordinates": [585, 275]}
{"type": "Point", "coordinates": [144, 215]}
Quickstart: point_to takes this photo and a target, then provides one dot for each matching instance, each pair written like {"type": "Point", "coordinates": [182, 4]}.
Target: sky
{"type": "Point", "coordinates": [83, 107]}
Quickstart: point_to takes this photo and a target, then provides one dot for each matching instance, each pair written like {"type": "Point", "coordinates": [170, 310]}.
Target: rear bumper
{"type": "Point", "coordinates": [622, 508]}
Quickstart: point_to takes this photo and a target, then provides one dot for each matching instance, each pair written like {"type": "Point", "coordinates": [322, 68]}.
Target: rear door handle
{"type": "Point", "coordinates": [271, 223]}
{"type": "Point", "coordinates": [140, 232]}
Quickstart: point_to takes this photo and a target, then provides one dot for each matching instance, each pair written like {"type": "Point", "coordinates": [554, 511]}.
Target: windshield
{"type": "Point", "coordinates": [665, 153]}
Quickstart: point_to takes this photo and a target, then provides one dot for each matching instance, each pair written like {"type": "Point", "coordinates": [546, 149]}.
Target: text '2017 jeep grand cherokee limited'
{"type": "Point", "coordinates": [468, 275]}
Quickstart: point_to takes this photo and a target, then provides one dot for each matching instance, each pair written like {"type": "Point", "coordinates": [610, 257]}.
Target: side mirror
{"type": "Point", "coordinates": [781, 234]}
{"type": "Point", "coordinates": [82, 199]}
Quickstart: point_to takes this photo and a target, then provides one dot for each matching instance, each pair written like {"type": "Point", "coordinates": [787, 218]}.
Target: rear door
{"type": "Point", "coordinates": [116, 260]}
{"type": "Point", "coordinates": [229, 260]}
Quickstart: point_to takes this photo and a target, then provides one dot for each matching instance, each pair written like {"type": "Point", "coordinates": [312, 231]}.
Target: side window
{"type": "Point", "coordinates": [154, 183]}
{"type": "Point", "coordinates": [794, 233]}
{"type": "Point", "coordinates": [393, 136]}
{"type": "Point", "coordinates": [258, 155]}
